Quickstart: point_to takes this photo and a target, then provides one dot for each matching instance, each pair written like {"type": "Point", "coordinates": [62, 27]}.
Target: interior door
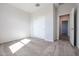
{"type": "Point", "coordinates": [72, 26]}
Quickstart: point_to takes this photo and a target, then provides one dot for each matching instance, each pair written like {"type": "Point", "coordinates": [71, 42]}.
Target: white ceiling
{"type": "Point", "coordinates": [30, 7]}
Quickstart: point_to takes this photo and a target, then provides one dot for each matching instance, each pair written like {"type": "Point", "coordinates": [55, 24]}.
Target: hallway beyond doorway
{"type": "Point", "coordinates": [63, 37]}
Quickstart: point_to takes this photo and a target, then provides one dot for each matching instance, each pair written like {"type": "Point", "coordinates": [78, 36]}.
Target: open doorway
{"type": "Point", "coordinates": [64, 27]}
{"type": "Point", "coordinates": [67, 27]}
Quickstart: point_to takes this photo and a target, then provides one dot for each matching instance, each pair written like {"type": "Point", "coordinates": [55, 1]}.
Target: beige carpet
{"type": "Point", "coordinates": [38, 47]}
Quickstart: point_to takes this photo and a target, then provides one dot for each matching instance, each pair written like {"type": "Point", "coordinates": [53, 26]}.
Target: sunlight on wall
{"type": "Point", "coordinates": [20, 33]}
{"type": "Point", "coordinates": [15, 47]}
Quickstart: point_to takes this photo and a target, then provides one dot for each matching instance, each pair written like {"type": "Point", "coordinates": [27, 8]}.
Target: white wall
{"type": "Point", "coordinates": [62, 10]}
{"type": "Point", "coordinates": [42, 23]}
{"type": "Point", "coordinates": [78, 25]}
{"type": "Point", "coordinates": [14, 23]}
{"type": "Point", "coordinates": [54, 22]}
{"type": "Point", "coordinates": [38, 24]}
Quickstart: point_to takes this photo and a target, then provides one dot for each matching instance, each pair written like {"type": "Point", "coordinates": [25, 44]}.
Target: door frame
{"type": "Point", "coordinates": [58, 25]}
{"type": "Point", "coordinates": [75, 27]}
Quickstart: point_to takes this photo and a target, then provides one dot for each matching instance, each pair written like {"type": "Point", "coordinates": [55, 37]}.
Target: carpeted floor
{"type": "Point", "coordinates": [37, 47]}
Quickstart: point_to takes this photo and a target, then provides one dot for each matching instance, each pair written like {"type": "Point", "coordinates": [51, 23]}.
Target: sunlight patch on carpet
{"type": "Point", "coordinates": [15, 47]}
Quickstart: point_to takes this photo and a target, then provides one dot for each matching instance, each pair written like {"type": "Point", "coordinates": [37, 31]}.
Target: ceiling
{"type": "Point", "coordinates": [58, 4]}
{"type": "Point", "coordinates": [30, 7]}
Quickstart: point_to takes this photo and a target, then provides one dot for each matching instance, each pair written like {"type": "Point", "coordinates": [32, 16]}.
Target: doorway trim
{"type": "Point", "coordinates": [58, 19]}
{"type": "Point", "coordinates": [62, 19]}
{"type": "Point", "coordinates": [75, 25]}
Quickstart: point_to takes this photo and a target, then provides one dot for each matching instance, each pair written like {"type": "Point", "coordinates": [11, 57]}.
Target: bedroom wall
{"type": "Point", "coordinates": [78, 25]}
{"type": "Point", "coordinates": [14, 23]}
{"type": "Point", "coordinates": [42, 24]}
